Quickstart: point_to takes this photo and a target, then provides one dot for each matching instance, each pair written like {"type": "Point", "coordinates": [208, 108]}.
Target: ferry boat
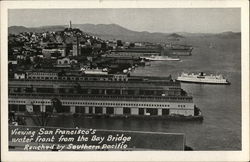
{"type": "Point", "coordinates": [202, 78]}
{"type": "Point", "coordinates": [161, 58]}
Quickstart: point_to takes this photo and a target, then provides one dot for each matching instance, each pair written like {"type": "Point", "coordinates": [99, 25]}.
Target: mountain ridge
{"type": "Point", "coordinates": [114, 31]}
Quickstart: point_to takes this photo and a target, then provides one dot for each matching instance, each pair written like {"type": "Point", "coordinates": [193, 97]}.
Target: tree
{"type": "Point", "coordinates": [119, 43]}
{"type": "Point", "coordinates": [27, 61]}
{"type": "Point", "coordinates": [56, 105]}
{"type": "Point", "coordinates": [41, 118]}
{"type": "Point", "coordinates": [131, 44]}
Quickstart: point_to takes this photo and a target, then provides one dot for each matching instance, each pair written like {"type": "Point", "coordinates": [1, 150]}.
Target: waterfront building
{"type": "Point", "coordinates": [41, 75]}
{"type": "Point", "coordinates": [112, 95]}
{"type": "Point", "coordinates": [179, 50]}
{"type": "Point", "coordinates": [135, 52]}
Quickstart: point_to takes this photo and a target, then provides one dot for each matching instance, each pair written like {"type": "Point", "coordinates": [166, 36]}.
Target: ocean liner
{"type": "Point", "coordinates": [111, 95]}
{"type": "Point", "coordinates": [202, 78]}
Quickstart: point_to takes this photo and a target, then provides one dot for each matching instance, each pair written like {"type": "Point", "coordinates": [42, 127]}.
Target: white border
{"type": "Point", "coordinates": [134, 155]}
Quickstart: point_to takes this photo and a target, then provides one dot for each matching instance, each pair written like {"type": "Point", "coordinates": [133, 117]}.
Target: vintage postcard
{"type": "Point", "coordinates": [125, 81]}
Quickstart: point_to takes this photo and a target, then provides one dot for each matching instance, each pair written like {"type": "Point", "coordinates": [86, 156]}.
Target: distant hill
{"type": "Point", "coordinates": [114, 31]}
{"type": "Point", "coordinates": [174, 35]}
{"type": "Point", "coordinates": [229, 35]}
{"type": "Point", "coordinates": [104, 31]}
{"type": "Point", "coordinates": [17, 29]}
{"type": "Point", "coordinates": [20, 29]}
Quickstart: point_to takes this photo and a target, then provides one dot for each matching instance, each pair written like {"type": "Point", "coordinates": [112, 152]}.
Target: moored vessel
{"type": "Point", "coordinates": [161, 58]}
{"type": "Point", "coordinates": [96, 71]}
{"type": "Point", "coordinates": [202, 78]}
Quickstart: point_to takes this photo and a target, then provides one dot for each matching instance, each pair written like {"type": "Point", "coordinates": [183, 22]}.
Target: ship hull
{"type": "Point", "coordinates": [204, 82]}
{"type": "Point", "coordinates": [161, 59]}
{"type": "Point", "coordinates": [164, 59]}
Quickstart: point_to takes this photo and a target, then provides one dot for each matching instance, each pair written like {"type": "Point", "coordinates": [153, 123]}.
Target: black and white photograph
{"type": "Point", "coordinates": [125, 80]}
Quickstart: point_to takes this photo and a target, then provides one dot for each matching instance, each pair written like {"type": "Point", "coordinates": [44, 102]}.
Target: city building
{"type": "Point", "coordinates": [76, 49]}
{"type": "Point", "coordinates": [48, 53]}
{"type": "Point", "coordinates": [13, 62]}
{"type": "Point", "coordinates": [112, 95]}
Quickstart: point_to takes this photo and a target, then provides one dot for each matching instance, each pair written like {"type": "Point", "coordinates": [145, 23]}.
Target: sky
{"type": "Point", "coordinates": [166, 20]}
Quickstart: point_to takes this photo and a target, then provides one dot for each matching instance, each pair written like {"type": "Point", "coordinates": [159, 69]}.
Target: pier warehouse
{"type": "Point", "coordinates": [112, 95]}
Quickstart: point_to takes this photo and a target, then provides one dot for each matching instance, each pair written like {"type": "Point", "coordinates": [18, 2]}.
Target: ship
{"type": "Point", "coordinates": [179, 50]}
{"type": "Point", "coordinates": [161, 58]}
{"type": "Point", "coordinates": [202, 78]}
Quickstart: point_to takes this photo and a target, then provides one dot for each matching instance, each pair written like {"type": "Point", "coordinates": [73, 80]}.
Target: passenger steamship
{"type": "Point", "coordinates": [111, 95]}
{"type": "Point", "coordinates": [202, 78]}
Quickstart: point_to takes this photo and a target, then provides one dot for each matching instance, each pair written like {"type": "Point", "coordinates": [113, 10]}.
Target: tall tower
{"type": "Point", "coordinates": [76, 48]}
{"type": "Point", "coordinates": [70, 25]}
